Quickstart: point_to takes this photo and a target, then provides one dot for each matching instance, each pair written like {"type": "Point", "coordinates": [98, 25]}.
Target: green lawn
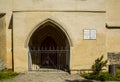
{"type": "Point", "coordinates": [4, 75]}
{"type": "Point", "coordinates": [103, 76]}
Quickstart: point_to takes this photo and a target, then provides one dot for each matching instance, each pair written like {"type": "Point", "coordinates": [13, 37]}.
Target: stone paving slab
{"type": "Point", "coordinates": [47, 77]}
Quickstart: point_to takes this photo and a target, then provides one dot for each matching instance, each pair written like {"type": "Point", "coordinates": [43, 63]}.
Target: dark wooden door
{"type": "Point", "coordinates": [48, 58]}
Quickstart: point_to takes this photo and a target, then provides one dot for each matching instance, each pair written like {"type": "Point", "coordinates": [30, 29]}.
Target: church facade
{"type": "Point", "coordinates": [57, 34]}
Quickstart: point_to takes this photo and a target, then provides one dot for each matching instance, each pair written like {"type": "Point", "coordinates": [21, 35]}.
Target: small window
{"type": "Point", "coordinates": [89, 34]}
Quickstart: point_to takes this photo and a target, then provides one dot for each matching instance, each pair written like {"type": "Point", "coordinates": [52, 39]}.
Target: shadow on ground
{"type": "Point", "coordinates": [78, 81]}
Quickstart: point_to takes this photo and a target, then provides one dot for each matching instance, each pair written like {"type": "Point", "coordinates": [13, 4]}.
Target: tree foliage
{"type": "Point", "coordinates": [98, 65]}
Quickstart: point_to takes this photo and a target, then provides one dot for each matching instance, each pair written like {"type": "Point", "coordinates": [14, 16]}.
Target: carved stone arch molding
{"type": "Point", "coordinates": [67, 33]}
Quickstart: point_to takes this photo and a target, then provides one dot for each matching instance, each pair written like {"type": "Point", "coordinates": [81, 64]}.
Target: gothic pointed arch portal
{"type": "Point", "coordinates": [49, 48]}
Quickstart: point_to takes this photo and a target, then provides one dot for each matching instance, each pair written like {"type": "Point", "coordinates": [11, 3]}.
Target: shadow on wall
{"type": "Point", "coordinates": [78, 81]}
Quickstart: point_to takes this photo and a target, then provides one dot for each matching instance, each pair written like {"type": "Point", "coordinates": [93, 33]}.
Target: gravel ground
{"type": "Point", "coordinates": [47, 77]}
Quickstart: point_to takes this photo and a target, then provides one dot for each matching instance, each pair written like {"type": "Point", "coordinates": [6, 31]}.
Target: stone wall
{"type": "Point", "coordinates": [82, 52]}
{"type": "Point", "coordinates": [113, 13]}
{"type": "Point", "coordinates": [6, 7]}
{"type": "Point", "coordinates": [59, 5]}
{"type": "Point", "coordinates": [2, 38]}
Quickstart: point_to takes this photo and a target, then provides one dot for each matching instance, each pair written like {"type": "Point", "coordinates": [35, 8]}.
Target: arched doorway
{"type": "Point", "coordinates": [49, 48]}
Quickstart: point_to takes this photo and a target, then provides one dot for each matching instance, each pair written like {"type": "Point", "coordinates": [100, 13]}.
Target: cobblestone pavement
{"type": "Point", "coordinates": [47, 77]}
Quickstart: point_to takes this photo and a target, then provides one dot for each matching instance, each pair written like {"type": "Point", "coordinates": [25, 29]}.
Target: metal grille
{"type": "Point", "coordinates": [48, 59]}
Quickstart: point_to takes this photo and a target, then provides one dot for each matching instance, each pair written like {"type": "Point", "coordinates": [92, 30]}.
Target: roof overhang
{"type": "Point", "coordinates": [2, 14]}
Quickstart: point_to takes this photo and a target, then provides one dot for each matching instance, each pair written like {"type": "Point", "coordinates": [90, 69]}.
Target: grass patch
{"type": "Point", "coordinates": [100, 76]}
{"type": "Point", "coordinates": [103, 76]}
{"type": "Point", "coordinates": [4, 75]}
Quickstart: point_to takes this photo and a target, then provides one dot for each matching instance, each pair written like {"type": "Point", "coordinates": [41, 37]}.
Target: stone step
{"type": "Point", "coordinates": [48, 70]}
